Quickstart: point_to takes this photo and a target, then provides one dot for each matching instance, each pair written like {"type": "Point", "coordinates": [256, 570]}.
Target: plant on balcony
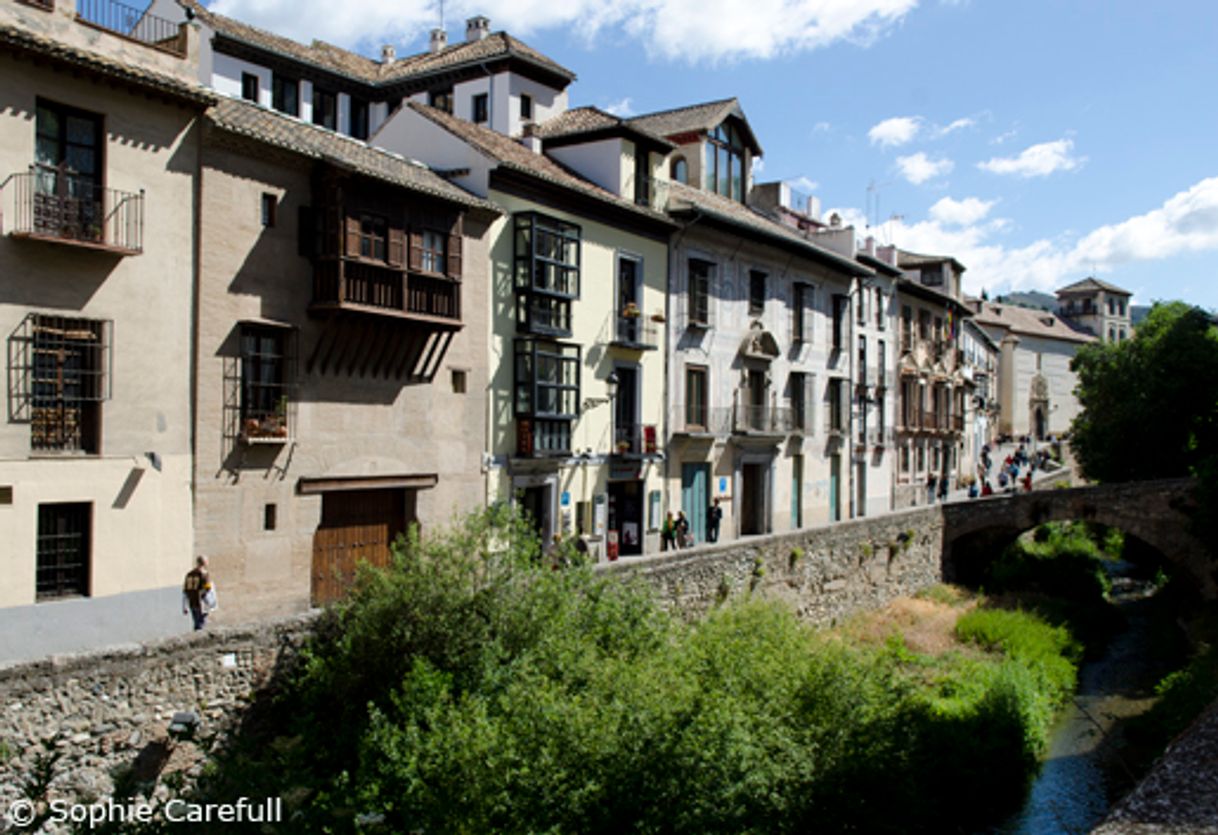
{"type": "Point", "coordinates": [631, 311]}
{"type": "Point", "coordinates": [658, 316]}
{"type": "Point", "coordinates": [623, 447]}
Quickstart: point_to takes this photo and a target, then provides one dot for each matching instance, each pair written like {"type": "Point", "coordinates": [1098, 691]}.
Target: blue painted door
{"type": "Point", "coordinates": [835, 477]}
{"type": "Point", "coordinates": [695, 498]}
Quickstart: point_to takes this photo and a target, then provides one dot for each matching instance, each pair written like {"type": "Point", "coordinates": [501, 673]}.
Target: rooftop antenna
{"type": "Point", "coordinates": [441, 14]}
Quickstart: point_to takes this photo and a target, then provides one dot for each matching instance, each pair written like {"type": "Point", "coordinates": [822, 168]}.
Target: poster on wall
{"type": "Point", "coordinates": [600, 511]}
{"type": "Point", "coordinates": [723, 487]}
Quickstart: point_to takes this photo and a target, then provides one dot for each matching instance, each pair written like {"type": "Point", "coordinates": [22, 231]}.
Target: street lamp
{"type": "Point", "coordinates": [610, 390]}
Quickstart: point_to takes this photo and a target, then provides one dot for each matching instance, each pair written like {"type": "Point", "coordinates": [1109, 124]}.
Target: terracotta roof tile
{"type": "Point", "coordinates": [687, 198]}
{"type": "Point", "coordinates": [1093, 283]}
{"type": "Point", "coordinates": [345, 62]}
{"type": "Point", "coordinates": [23, 40]}
{"type": "Point", "coordinates": [694, 117]}
{"type": "Point", "coordinates": [1024, 320]}
{"type": "Point", "coordinates": [247, 119]}
{"type": "Point", "coordinates": [582, 120]}
{"type": "Point", "coordinates": [512, 154]}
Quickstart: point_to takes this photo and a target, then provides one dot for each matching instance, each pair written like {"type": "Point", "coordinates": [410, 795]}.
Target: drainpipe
{"type": "Point", "coordinates": [195, 295]}
{"type": "Point", "coordinates": [669, 329]}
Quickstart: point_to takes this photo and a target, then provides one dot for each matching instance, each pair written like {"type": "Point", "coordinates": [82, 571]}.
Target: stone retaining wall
{"type": "Point", "coordinates": [823, 573]}
{"type": "Point", "coordinates": [99, 713]}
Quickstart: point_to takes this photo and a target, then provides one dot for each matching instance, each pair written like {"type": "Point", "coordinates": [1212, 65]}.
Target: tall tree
{"type": "Point", "coordinates": [1150, 404]}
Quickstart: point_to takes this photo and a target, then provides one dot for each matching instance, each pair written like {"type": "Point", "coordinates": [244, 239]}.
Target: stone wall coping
{"type": "Point", "coordinates": [668, 559]}
{"type": "Point", "coordinates": [227, 638]}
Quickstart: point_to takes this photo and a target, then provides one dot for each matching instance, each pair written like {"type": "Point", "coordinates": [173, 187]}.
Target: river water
{"type": "Point", "coordinates": [1082, 775]}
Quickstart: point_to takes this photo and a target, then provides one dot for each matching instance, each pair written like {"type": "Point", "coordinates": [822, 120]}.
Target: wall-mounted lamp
{"type": "Point", "coordinates": [610, 389]}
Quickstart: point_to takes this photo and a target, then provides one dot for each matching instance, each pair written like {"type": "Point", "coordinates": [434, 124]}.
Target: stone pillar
{"type": "Point", "coordinates": [1006, 384]}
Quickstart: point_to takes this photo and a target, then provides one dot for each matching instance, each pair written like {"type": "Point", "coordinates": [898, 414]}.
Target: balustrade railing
{"type": "Point", "coordinates": [135, 24]}
{"type": "Point", "coordinates": [60, 205]}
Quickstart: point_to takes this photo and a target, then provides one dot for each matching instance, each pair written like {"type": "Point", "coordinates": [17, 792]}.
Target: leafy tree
{"type": "Point", "coordinates": [1150, 404]}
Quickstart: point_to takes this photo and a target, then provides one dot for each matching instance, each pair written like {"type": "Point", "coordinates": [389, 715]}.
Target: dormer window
{"type": "Point", "coordinates": [526, 106]}
{"type": "Point", "coordinates": [441, 99]}
{"type": "Point", "coordinates": [725, 162]}
{"type": "Point", "coordinates": [679, 170]}
{"type": "Point", "coordinates": [325, 108]}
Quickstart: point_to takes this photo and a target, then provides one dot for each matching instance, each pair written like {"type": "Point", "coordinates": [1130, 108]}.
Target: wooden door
{"type": "Point", "coordinates": [356, 526]}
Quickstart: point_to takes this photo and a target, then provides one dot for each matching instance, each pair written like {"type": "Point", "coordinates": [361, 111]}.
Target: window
{"type": "Point", "coordinates": [249, 86]}
{"type": "Point", "coordinates": [799, 403]}
{"type": "Point", "coordinates": [756, 292]}
{"type": "Point", "coordinates": [547, 254]}
{"type": "Point", "coordinates": [479, 108]}
{"type": "Point", "coordinates": [880, 305]}
{"type": "Point", "coordinates": [836, 402]}
{"type": "Point", "coordinates": [932, 276]}
{"type": "Point", "coordinates": [526, 106]}
{"type": "Point", "coordinates": [840, 305]}
{"type": "Point", "coordinates": [1111, 307]}
{"type": "Point", "coordinates": [459, 380]}
{"type": "Point", "coordinates": [63, 550]}
{"type": "Point", "coordinates": [1121, 335]}
{"type": "Point", "coordinates": [269, 204]}
{"type": "Point", "coordinates": [1121, 307]}
{"type": "Point", "coordinates": [1112, 334]}
{"type": "Point", "coordinates": [547, 395]}
{"type": "Point", "coordinates": [441, 99]}
{"type": "Point", "coordinates": [696, 397]}
{"type": "Point", "coordinates": [881, 365]}
{"type": "Point", "coordinates": [801, 316]}
{"type": "Point", "coordinates": [285, 94]}
{"type": "Point", "coordinates": [325, 108]}
{"type": "Point", "coordinates": [679, 170]}
{"type": "Point", "coordinates": [68, 156]}
{"type": "Point", "coordinates": [60, 371]}
{"type": "Point", "coordinates": [862, 363]}
{"type": "Point", "coordinates": [264, 383]}
{"type": "Point", "coordinates": [906, 328]}
{"type": "Point", "coordinates": [864, 298]}
{"type": "Point", "coordinates": [358, 113]}
{"type": "Point", "coordinates": [270, 514]}
{"type": "Point", "coordinates": [433, 251]}
{"type": "Point", "coordinates": [724, 161]}
{"type": "Point", "coordinates": [924, 324]}
{"type": "Point", "coordinates": [700, 273]}
{"type": "Point", "coordinates": [373, 236]}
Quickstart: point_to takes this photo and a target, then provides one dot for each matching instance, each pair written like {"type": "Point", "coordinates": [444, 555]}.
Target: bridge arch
{"type": "Point", "coordinates": [1154, 512]}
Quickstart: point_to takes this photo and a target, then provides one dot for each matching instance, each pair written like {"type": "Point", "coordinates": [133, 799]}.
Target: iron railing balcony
{"type": "Point", "coordinates": [635, 440]}
{"type": "Point", "coordinates": [637, 332]}
{"type": "Point", "coordinates": [930, 421]}
{"type": "Point", "coordinates": [699, 419]}
{"type": "Point", "coordinates": [133, 24]}
{"type": "Point", "coordinates": [767, 420]}
{"type": "Point", "coordinates": [59, 206]}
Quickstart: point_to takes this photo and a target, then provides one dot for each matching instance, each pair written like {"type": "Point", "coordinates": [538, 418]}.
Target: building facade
{"type": "Point", "coordinates": [1096, 307]}
{"type": "Point", "coordinates": [99, 140]}
{"type": "Point", "coordinates": [341, 374]}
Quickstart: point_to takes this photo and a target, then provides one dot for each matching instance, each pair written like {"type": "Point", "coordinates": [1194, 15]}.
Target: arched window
{"type": "Point", "coordinates": [679, 170]}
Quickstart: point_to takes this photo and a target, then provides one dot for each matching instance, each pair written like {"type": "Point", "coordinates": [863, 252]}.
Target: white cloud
{"type": "Point", "coordinates": [822, 127]}
{"type": "Point", "coordinates": [918, 168]}
{"type": "Point", "coordinates": [622, 107]}
{"type": "Point", "coordinates": [964, 212]}
{"type": "Point", "coordinates": [1037, 160]}
{"type": "Point", "coordinates": [896, 131]}
{"type": "Point", "coordinates": [804, 184]}
{"type": "Point", "coordinates": [1185, 223]}
{"type": "Point", "coordinates": [959, 124]}
{"type": "Point", "coordinates": [690, 30]}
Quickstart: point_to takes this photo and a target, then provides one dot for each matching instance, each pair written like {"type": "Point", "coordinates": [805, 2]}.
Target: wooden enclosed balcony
{"type": "Point", "coordinates": [355, 286]}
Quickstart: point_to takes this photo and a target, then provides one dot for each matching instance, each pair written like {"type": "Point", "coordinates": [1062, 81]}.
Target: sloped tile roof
{"type": "Point", "coordinates": [582, 120]}
{"type": "Point", "coordinates": [353, 65]}
{"type": "Point", "coordinates": [916, 259]}
{"type": "Point", "coordinates": [684, 198]}
{"type": "Point", "coordinates": [1093, 283]}
{"type": "Point", "coordinates": [509, 153]}
{"type": "Point", "coordinates": [694, 118]}
{"type": "Point", "coordinates": [26, 41]}
{"type": "Point", "coordinates": [250, 120]}
{"type": "Point", "coordinates": [1024, 320]}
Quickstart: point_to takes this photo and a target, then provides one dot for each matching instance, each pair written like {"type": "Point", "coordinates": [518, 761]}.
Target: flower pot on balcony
{"type": "Point", "coordinates": [658, 317]}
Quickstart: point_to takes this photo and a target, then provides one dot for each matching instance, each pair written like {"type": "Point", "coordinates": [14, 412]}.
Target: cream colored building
{"type": "Point", "coordinates": [576, 350]}
{"type": "Point", "coordinates": [99, 145]}
{"type": "Point", "coordinates": [341, 370]}
{"type": "Point", "coordinates": [1035, 383]}
{"type": "Point", "coordinates": [1098, 308]}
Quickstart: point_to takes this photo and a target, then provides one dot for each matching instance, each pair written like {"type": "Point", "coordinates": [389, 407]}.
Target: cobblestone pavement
{"type": "Point", "coordinates": [1180, 794]}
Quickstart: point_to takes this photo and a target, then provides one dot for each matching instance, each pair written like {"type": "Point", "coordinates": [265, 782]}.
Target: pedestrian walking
{"type": "Point", "coordinates": [944, 483]}
{"type": "Point", "coordinates": [668, 532]}
{"type": "Point", "coordinates": [714, 515]}
{"type": "Point", "coordinates": [198, 593]}
{"type": "Point", "coordinates": [684, 539]}
{"type": "Point", "coordinates": [931, 484]}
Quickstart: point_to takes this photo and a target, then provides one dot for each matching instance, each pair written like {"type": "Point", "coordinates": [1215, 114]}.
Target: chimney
{"type": "Point", "coordinates": [529, 138]}
{"type": "Point", "coordinates": [477, 28]}
{"type": "Point", "coordinates": [814, 207]}
{"type": "Point", "coordinates": [835, 221]}
{"type": "Point", "coordinates": [388, 54]}
{"type": "Point", "coordinates": [439, 40]}
{"type": "Point", "coordinates": [869, 246]}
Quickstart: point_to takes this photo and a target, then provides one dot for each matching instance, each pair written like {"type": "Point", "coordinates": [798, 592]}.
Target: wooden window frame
{"type": "Point", "coordinates": [63, 528]}
{"type": "Point", "coordinates": [698, 293]}
{"type": "Point", "coordinates": [280, 84]}
{"type": "Point", "coordinates": [691, 408]}
{"type": "Point", "coordinates": [480, 108]}
{"type": "Point", "coordinates": [321, 98]}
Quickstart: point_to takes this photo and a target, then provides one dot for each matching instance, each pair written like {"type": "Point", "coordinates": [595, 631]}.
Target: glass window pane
{"type": "Point", "coordinates": [82, 131]}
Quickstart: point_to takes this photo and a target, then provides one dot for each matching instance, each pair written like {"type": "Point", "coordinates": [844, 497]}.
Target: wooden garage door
{"type": "Point", "coordinates": [356, 525]}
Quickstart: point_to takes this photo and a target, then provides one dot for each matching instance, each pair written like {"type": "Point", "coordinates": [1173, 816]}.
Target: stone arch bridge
{"type": "Point", "coordinates": [1155, 512]}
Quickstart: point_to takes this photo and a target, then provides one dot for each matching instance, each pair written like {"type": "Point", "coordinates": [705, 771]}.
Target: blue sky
{"type": "Point", "coordinates": [1036, 141]}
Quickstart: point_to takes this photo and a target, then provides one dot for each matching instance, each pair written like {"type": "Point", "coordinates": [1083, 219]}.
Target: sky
{"type": "Point", "coordinates": [1036, 141]}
